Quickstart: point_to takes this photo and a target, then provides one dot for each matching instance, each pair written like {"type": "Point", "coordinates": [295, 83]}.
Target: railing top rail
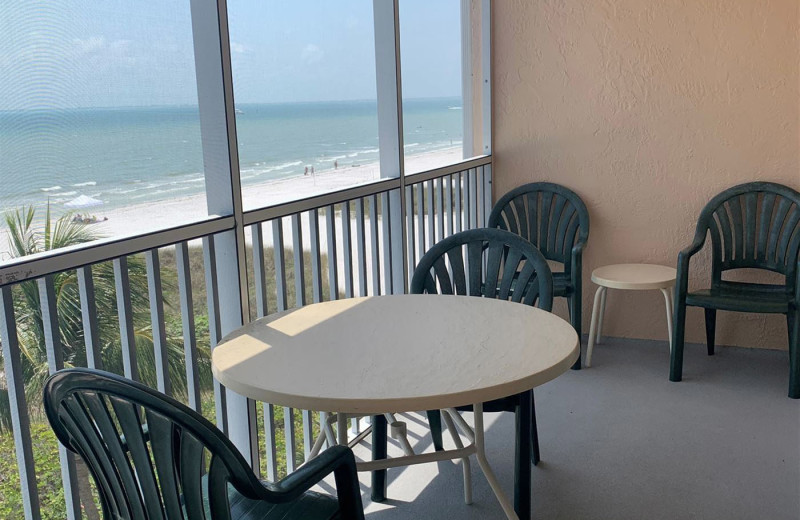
{"type": "Point", "coordinates": [284, 209]}
{"type": "Point", "coordinates": [466, 164]}
{"type": "Point", "coordinates": [256, 216]}
{"type": "Point", "coordinates": [72, 257]}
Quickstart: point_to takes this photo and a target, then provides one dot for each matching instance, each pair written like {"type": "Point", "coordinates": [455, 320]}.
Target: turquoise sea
{"type": "Point", "coordinates": [125, 156]}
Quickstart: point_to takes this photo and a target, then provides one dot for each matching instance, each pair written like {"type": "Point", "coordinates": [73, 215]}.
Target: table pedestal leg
{"type": "Point", "coordinates": [448, 420]}
{"type": "Point", "coordinates": [379, 451]}
{"type": "Point", "coordinates": [480, 454]}
{"type": "Point", "coordinates": [341, 429]}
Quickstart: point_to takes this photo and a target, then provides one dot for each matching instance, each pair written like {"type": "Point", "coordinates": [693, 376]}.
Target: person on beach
{"type": "Point", "coordinates": [312, 170]}
{"type": "Point", "coordinates": [306, 172]}
{"type": "Point", "coordinates": [335, 165]}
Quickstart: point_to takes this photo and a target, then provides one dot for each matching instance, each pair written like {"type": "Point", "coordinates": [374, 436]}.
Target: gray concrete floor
{"type": "Point", "coordinates": [619, 441]}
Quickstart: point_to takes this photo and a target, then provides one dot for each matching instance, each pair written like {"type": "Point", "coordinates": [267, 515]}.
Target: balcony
{"type": "Point", "coordinates": [624, 442]}
{"type": "Point", "coordinates": [645, 109]}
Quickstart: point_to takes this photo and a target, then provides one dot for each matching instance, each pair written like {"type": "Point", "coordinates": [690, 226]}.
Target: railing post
{"type": "Point", "coordinates": [55, 362]}
{"type": "Point", "coordinates": [156, 297]}
{"type": "Point", "coordinates": [89, 317]}
{"type": "Point", "coordinates": [188, 324]}
{"type": "Point", "coordinates": [20, 419]}
{"type": "Point", "coordinates": [390, 130]}
{"type": "Point", "coordinates": [122, 286]}
{"type": "Point", "coordinates": [223, 192]}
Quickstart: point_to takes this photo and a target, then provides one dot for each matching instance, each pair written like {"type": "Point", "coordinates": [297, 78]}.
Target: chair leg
{"type": "Point", "coordinates": [678, 330]}
{"type": "Point", "coordinates": [574, 304]}
{"type": "Point", "coordinates": [793, 322]}
{"type": "Point", "coordinates": [711, 325]}
{"type": "Point", "coordinates": [379, 451]}
{"type": "Point", "coordinates": [535, 456]}
{"type": "Point", "coordinates": [522, 465]}
{"type": "Point", "coordinates": [435, 424]}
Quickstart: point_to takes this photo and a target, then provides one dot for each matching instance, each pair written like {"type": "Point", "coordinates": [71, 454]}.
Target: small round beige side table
{"type": "Point", "coordinates": [630, 277]}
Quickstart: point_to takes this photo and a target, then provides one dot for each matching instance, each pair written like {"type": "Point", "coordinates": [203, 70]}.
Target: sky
{"type": "Point", "coordinates": [105, 53]}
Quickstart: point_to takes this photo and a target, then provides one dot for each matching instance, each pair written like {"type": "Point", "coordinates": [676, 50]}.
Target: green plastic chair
{"type": "Point", "coordinates": [555, 220]}
{"type": "Point", "coordinates": [154, 458]}
{"type": "Point", "coordinates": [756, 226]}
{"type": "Point", "coordinates": [492, 263]}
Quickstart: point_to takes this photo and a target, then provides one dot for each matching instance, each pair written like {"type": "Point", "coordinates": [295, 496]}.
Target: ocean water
{"type": "Point", "coordinates": [125, 156]}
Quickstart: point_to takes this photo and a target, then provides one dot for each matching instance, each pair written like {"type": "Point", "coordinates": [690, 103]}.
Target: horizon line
{"type": "Point", "coordinates": [186, 105]}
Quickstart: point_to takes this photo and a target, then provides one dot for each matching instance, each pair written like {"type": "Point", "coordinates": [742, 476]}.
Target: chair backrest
{"type": "Point", "coordinates": [497, 264]}
{"type": "Point", "coordinates": [550, 216]}
{"type": "Point", "coordinates": [147, 452]}
{"type": "Point", "coordinates": [753, 225]}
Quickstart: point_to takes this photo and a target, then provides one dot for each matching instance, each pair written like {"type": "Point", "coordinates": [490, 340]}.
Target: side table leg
{"type": "Point", "coordinates": [601, 316]}
{"type": "Point", "coordinates": [480, 454]}
{"type": "Point", "coordinates": [668, 301]}
{"type": "Point", "coordinates": [598, 297]}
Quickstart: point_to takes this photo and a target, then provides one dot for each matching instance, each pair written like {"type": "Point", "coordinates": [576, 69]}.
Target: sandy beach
{"type": "Point", "coordinates": [150, 216]}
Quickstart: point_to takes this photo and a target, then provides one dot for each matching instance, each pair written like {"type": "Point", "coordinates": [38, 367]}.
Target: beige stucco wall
{"type": "Point", "coordinates": [647, 108]}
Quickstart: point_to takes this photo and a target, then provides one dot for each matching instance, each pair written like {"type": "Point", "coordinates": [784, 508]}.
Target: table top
{"type": "Point", "coordinates": [636, 277]}
{"type": "Point", "coordinates": [395, 353]}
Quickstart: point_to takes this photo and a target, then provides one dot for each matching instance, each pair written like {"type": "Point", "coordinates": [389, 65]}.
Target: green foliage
{"type": "Point", "coordinates": [48, 473]}
{"type": "Point", "coordinates": [27, 239]}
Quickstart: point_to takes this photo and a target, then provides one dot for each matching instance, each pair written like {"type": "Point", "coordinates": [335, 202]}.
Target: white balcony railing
{"type": "Point", "coordinates": [358, 241]}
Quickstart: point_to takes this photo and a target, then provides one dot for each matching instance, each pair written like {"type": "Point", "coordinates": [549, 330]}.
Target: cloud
{"type": "Point", "coordinates": [311, 54]}
{"type": "Point", "coordinates": [95, 45]}
{"type": "Point", "coordinates": [89, 45]}
{"type": "Point", "coordinates": [239, 48]}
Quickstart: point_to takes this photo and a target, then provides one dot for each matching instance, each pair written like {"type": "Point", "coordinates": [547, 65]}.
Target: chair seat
{"type": "Point", "coordinates": [562, 285]}
{"type": "Point", "coordinates": [311, 506]}
{"type": "Point", "coordinates": [743, 297]}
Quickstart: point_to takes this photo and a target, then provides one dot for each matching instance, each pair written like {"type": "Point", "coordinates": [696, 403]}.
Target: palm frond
{"type": "Point", "coordinates": [20, 231]}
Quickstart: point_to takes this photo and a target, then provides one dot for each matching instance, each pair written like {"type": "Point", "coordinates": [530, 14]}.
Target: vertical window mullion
{"type": "Point", "coordinates": [390, 128]}
{"type": "Point", "coordinates": [223, 193]}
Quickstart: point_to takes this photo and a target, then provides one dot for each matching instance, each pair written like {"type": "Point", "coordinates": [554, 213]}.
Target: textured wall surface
{"type": "Point", "coordinates": [647, 109]}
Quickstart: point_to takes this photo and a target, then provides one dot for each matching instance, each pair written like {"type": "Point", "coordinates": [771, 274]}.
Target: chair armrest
{"type": "Point", "coordinates": [576, 264]}
{"type": "Point", "coordinates": [797, 281]}
{"type": "Point", "coordinates": [695, 247]}
{"type": "Point", "coordinates": [576, 259]}
{"type": "Point", "coordinates": [340, 461]}
{"type": "Point", "coordinates": [682, 277]}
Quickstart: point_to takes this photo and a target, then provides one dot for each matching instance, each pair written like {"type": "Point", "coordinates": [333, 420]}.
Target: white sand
{"type": "Point", "coordinates": [150, 216]}
{"type": "Point", "coordinates": [146, 217]}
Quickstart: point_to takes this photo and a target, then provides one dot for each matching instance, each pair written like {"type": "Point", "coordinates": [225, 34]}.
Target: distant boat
{"type": "Point", "coordinates": [238, 110]}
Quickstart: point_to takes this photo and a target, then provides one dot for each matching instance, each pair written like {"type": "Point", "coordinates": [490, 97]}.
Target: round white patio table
{"type": "Point", "coordinates": [374, 355]}
{"type": "Point", "coordinates": [629, 277]}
